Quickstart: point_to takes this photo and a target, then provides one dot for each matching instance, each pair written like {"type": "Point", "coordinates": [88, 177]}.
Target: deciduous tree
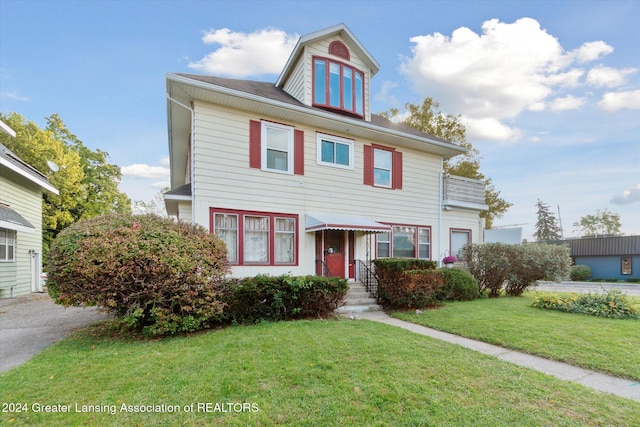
{"type": "Point", "coordinates": [87, 183]}
{"type": "Point", "coordinates": [428, 118]}
{"type": "Point", "coordinates": [602, 222]}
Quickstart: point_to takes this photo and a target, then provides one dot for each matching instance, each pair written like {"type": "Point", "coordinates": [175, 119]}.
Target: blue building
{"type": "Point", "coordinates": [615, 257]}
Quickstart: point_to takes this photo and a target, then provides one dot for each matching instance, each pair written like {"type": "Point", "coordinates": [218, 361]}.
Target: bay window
{"type": "Point", "coordinates": [338, 86]}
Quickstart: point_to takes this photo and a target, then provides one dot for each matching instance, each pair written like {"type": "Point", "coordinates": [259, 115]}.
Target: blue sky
{"type": "Point", "coordinates": [550, 90]}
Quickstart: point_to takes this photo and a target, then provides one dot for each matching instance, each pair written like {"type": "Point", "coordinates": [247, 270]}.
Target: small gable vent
{"type": "Point", "coordinates": [338, 48]}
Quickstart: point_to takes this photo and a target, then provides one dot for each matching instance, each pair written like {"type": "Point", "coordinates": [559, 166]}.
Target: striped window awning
{"type": "Point", "coordinates": [318, 222]}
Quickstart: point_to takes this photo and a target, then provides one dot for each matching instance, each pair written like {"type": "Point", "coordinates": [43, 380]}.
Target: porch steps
{"type": "Point", "coordinates": [358, 300]}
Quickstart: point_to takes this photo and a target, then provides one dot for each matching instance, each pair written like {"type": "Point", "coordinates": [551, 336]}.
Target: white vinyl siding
{"type": "Point", "coordinates": [223, 179]}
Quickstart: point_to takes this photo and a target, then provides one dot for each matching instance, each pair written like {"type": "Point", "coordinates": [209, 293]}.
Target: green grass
{"type": "Point", "coordinates": [606, 345]}
{"type": "Point", "coordinates": [303, 373]}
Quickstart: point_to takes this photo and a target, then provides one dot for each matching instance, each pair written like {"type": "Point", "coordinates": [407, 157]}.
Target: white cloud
{"type": "Point", "coordinates": [145, 171]}
{"type": "Point", "coordinates": [15, 96]}
{"type": "Point", "coordinates": [240, 54]}
{"type": "Point", "coordinates": [630, 196]}
{"type": "Point", "coordinates": [568, 102]}
{"type": "Point", "coordinates": [496, 75]}
{"type": "Point", "coordinates": [385, 93]}
{"type": "Point", "coordinates": [490, 128]}
{"type": "Point", "coordinates": [591, 51]}
{"type": "Point", "coordinates": [614, 101]}
{"type": "Point", "coordinates": [608, 77]}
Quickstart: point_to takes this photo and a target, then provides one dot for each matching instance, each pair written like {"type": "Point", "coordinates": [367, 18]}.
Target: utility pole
{"type": "Point", "coordinates": [560, 223]}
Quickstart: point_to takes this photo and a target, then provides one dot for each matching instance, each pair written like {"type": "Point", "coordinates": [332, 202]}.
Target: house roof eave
{"type": "Point", "coordinates": [207, 92]}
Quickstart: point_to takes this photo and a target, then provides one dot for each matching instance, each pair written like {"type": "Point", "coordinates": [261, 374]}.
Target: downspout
{"type": "Point", "coordinates": [191, 157]}
{"type": "Point", "coordinates": [440, 197]}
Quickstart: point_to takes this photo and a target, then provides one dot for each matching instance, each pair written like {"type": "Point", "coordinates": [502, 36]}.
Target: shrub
{"type": "Point", "coordinates": [612, 305]}
{"type": "Point", "coordinates": [489, 264]}
{"type": "Point", "coordinates": [413, 289]}
{"type": "Point", "coordinates": [514, 267]}
{"type": "Point", "coordinates": [267, 298]}
{"type": "Point", "coordinates": [537, 261]}
{"type": "Point", "coordinates": [580, 273]}
{"type": "Point", "coordinates": [154, 275]}
{"type": "Point", "coordinates": [399, 289]}
{"type": "Point", "coordinates": [459, 285]}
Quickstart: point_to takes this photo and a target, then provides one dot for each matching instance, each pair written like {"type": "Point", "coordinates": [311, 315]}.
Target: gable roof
{"type": "Point", "coordinates": [11, 161]}
{"type": "Point", "coordinates": [349, 39]}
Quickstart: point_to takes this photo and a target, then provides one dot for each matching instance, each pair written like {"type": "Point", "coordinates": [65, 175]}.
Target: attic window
{"type": "Point", "coordinates": [338, 48]}
{"type": "Point", "coordinates": [338, 86]}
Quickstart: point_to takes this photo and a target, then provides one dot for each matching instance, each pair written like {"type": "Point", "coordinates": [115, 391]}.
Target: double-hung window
{"type": "Point", "coordinates": [277, 145]}
{"type": "Point", "coordinates": [382, 167]}
{"type": "Point", "coordinates": [338, 86]}
{"type": "Point", "coordinates": [7, 245]}
{"type": "Point", "coordinates": [257, 238]}
{"type": "Point", "coordinates": [334, 151]}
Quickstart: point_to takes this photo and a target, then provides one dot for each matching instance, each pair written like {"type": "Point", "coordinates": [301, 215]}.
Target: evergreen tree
{"type": "Point", "coordinates": [547, 227]}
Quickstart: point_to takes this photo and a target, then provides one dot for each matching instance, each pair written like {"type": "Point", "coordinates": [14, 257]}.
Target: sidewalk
{"type": "Point", "coordinates": [620, 387]}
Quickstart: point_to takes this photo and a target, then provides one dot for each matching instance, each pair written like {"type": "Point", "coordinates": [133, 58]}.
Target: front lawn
{"type": "Point", "coordinates": [606, 345]}
{"type": "Point", "coordinates": [294, 373]}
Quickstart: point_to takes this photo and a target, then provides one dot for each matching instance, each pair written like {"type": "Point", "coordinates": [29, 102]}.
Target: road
{"type": "Point", "coordinates": [584, 287]}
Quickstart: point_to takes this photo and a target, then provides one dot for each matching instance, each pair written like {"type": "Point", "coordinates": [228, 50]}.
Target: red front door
{"type": "Point", "coordinates": [334, 256]}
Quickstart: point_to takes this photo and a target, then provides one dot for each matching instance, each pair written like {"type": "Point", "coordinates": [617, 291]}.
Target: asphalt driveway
{"type": "Point", "coordinates": [32, 322]}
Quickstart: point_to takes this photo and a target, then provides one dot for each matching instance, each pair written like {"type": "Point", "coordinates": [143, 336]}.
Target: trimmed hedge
{"type": "Point", "coordinates": [407, 282]}
{"type": "Point", "coordinates": [267, 298]}
{"type": "Point", "coordinates": [156, 276]}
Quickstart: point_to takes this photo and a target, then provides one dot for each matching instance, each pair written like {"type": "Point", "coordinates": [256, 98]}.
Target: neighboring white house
{"type": "Point", "coordinates": [299, 176]}
{"type": "Point", "coordinates": [20, 223]}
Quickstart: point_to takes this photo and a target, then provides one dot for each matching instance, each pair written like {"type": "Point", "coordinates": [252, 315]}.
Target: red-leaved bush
{"type": "Point", "coordinates": [154, 275]}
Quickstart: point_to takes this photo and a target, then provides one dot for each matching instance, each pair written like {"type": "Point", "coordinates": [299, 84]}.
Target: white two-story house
{"type": "Point", "coordinates": [300, 176]}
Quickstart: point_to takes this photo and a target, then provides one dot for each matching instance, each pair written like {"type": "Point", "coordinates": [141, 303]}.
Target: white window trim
{"type": "Point", "coordinates": [263, 144]}
{"type": "Point", "coordinates": [13, 236]}
{"type": "Point", "coordinates": [390, 169]}
{"type": "Point", "coordinates": [335, 139]}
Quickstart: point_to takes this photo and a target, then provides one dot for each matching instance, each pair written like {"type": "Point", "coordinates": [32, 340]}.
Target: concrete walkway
{"type": "Point", "coordinates": [595, 380]}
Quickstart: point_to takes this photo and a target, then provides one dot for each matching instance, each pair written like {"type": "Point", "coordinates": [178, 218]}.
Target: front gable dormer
{"type": "Point", "coordinates": [330, 69]}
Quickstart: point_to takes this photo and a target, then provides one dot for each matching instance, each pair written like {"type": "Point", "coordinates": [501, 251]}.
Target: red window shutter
{"type": "Point", "coordinates": [298, 152]}
{"type": "Point", "coordinates": [368, 165]}
{"type": "Point", "coordinates": [397, 170]}
{"type": "Point", "coordinates": [255, 140]}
